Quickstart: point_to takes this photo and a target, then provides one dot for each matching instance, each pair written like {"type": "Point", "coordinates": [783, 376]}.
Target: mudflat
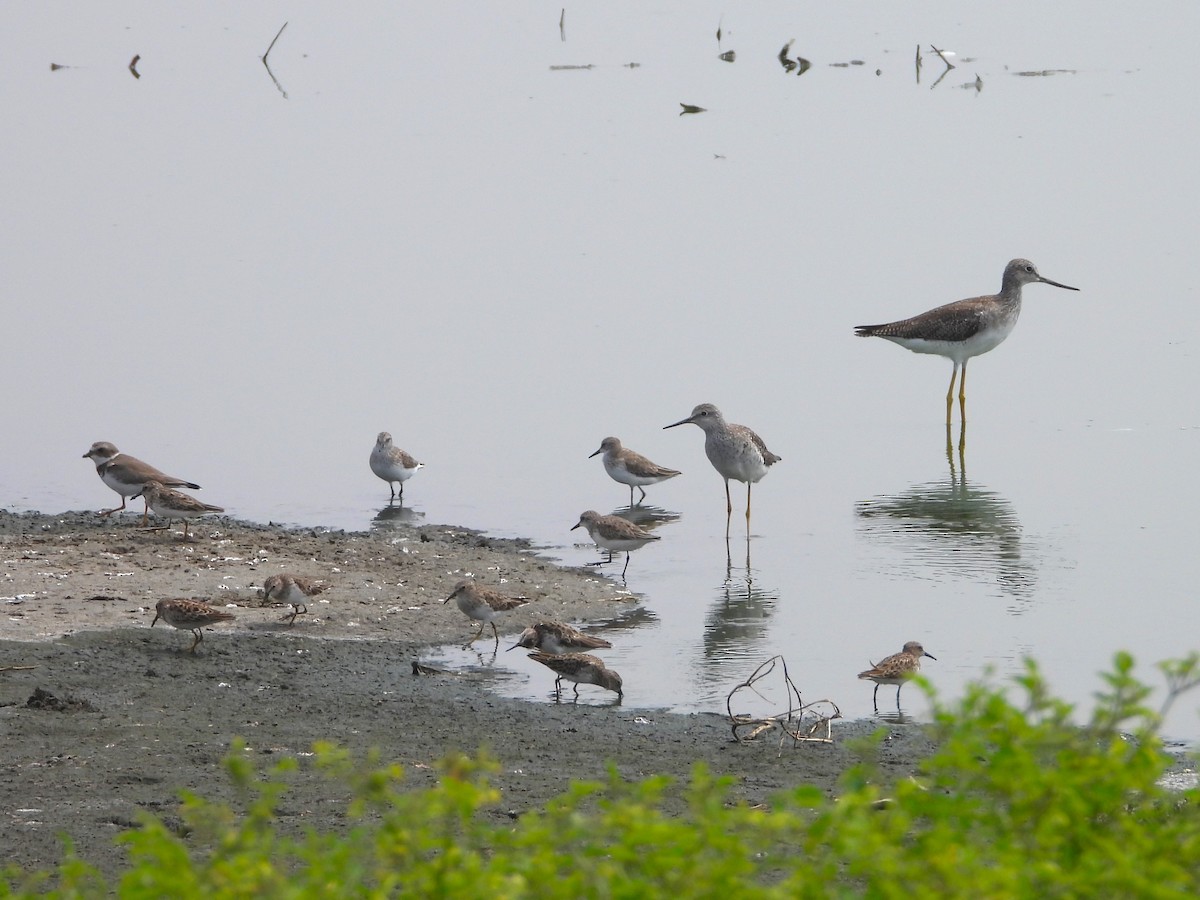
{"type": "Point", "coordinates": [103, 718]}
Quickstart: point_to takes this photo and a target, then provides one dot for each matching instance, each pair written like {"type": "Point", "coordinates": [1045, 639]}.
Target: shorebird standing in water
{"type": "Point", "coordinates": [895, 669]}
{"type": "Point", "coordinates": [581, 668]}
{"type": "Point", "coordinates": [557, 638]}
{"type": "Point", "coordinates": [614, 534]}
{"type": "Point", "coordinates": [633, 469]}
{"type": "Point", "coordinates": [392, 464]}
{"type": "Point", "coordinates": [734, 450]}
{"type": "Point", "coordinates": [965, 328]}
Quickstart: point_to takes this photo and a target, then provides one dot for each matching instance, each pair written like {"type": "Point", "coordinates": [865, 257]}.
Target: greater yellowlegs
{"type": "Point", "coordinates": [614, 534]}
{"type": "Point", "coordinates": [633, 469]}
{"type": "Point", "coordinates": [392, 464]}
{"type": "Point", "coordinates": [482, 605]}
{"type": "Point", "coordinates": [734, 450]}
{"type": "Point", "coordinates": [965, 328]}
{"type": "Point", "coordinates": [896, 669]}
{"type": "Point", "coordinates": [581, 668]}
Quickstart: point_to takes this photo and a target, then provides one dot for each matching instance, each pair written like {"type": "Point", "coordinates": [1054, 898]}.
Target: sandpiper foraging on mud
{"type": "Point", "coordinates": [189, 615]}
{"type": "Point", "coordinates": [174, 504]}
{"type": "Point", "coordinates": [294, 590]}
{"type": "Point", "coordinates": [581, 668]}
{"type": "Point", "coordinates": [482, 605]}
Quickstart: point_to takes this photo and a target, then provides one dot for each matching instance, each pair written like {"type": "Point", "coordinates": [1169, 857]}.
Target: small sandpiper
{"type": "Point", "coordinates": [392, 464]}
{"type": "Point", "coordinates": [189, 615]}
{"type": "Point", "coordinates": [895, 669]}
{"type": "Point", "coordinates": [734, 450]}
{"type": "Point", "coordinates": [964, 328]}
{"type": "Point", "coordinates": [633, 469]}
{"type": "Point", "coordinates": [174, 504]}
{"type": "Point", "coordinates": [581, 668]}
{"type": "Point", "coordinates": [614, 534]}
{"type": "Point", "coordinates": [293, 590]}
{"type": "Point", "coordinates": [558, 638]}
{"type": "Point", "coordinates": [483, 605]}
{"type": "Point", "coordinates": [127, 474]}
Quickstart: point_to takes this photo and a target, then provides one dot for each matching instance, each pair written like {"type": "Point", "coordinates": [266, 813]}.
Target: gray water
{"type": "Point", "coordinates": [429, 227]}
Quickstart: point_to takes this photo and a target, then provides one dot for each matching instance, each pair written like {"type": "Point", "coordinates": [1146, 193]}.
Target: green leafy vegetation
{"type": "Point", "coordinates": [1018, 801]}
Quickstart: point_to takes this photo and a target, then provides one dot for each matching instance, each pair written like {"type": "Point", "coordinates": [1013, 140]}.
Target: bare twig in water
{"type": "Point", "coordinates": [918, 64]}
{"type": "Point", "coordinates": [267, 65]}
{"type": "Point", "coordinates": [688, 109]}
{"type": "Point", "coordinates": [133, 65]}
{"type": "Point", "coordinates": [562, 25]}
{"type": "Point", "coordinates": [271, 46]}
{"type": "Point", "coordinates": [719, 21]}
{"type": "Point", "coordinates": [800, 721]}
{"type": "Point", "coordinates": [949, 65]}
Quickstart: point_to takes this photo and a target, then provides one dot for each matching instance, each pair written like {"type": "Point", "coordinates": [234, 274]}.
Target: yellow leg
{"type": "Point", "coordinates": [962, 396]}
{"type": "Point", "coordinates": [950, 394]}
{"type": "Point", "coordinates": [747, 504]}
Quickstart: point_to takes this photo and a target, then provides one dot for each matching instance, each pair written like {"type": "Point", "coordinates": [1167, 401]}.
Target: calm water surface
{"type": "Point", "coordinates": [429, 227]}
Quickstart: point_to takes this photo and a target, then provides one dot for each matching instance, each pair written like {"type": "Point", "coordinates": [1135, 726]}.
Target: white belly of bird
{"type": "Point", "coordinates": [617, 472]}
{"type": "Point", "coordinates": [746, 465]}
{"type": "Point", "coordinates": [390, 471]}
{"type": "Point", "coordinates": [960, 351]}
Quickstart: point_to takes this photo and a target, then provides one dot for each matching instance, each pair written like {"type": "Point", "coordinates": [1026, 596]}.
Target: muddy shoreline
{"type": "Point", "coordinates": [132, 719]}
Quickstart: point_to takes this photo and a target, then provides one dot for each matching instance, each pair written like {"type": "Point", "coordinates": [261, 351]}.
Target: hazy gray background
{"type": "Point", "coordinates": [439, 235]}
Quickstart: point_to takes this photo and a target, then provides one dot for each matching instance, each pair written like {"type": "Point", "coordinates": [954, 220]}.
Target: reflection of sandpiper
{"type": "Point", "coordinates": [127, 474]}
{"type": "Point", "coordinates": [174, 504]}
{"type": "Point", "coordinates": [895, 669]}
{"type": "Point", "coordinates": [964, 328]}
{"type": "Point", "coordinates": [734, 450]}
{"type": "Point", "coordinates": [614, 534]}
{"type": "Point", "coordinates": [392, 464]}
{"type": "Point", "coordinates": [189, 615]}
{"type": "Point", "coordinates": [558, 638]}
{"type": "Point", "coordinates": [581, 668]}
{"type": "Point", "coordinates": [633, 469]}
{"type": "Point", "coordinates": [293, 590]}
{"type": "Point", "coordinates": [482, 605]}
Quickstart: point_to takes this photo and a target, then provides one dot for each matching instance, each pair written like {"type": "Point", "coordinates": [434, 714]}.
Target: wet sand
{"type": "Point", "coordinates": [117, 718]}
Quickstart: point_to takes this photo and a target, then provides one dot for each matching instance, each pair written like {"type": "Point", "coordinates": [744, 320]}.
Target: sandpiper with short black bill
{"type": "Point", "coordinates": [189, 615]}
{"type": "Point", "coordinates": [482, 605]}
{"type": "Point", "coordinates": [392, 464]}
{"type": "Point", "coordinates": [171, 504]}
{"type": "Point", "coordinates": [627, 467]}
{"type": "Point", "coordinates": [614, 534]}
{"type": "Point", "coordinates": [581, 668]}
{"type": "Point", "coordinates": [895, 669]}
{"type": "Point", "coordinates": [965, 328]}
